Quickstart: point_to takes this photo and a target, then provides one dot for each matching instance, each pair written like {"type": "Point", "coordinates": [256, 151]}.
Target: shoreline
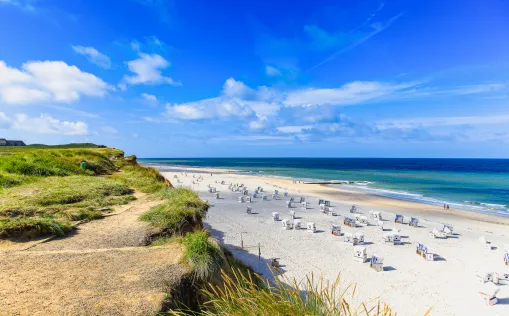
{"type": "Point", "coordinates": [359, 198]}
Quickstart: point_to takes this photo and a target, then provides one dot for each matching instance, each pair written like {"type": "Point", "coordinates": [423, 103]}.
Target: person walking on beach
{"type": "Point", "coordinates": [444, 206]}
{"type": "Point", "coordinates": [447, 206]}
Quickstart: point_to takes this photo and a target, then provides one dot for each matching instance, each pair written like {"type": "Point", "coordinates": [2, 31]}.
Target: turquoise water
{"type": "Point", "coordinates": [479, 185]}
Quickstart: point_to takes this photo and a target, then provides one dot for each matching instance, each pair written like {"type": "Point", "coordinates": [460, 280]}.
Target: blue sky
{"type": "Point", "coordinates": [262, 78]}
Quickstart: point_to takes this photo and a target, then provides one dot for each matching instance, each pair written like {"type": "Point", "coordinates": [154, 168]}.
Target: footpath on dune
{"type": "Point", "coordinates": [102, 268]}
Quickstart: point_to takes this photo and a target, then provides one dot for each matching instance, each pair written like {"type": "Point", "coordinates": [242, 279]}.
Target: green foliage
{"type": "Point", "coordinates": [145, 179]}
{"type": "Point", "coordinates": [181, 211]}
{"type": "Point", "coordinates": [52, 195]}
{"type": "Point", "coordinates": [33, 226]}
{"type": "Point", "coordinates": [203, 254]}
{"type": "Point", "coordinates": [250, 294]}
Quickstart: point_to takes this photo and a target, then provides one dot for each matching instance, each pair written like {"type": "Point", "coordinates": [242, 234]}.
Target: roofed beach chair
{"type": "Point", "coordinates": [311, 228]}
{"type": "Point", "coordinates": [336, 230]}
{"type": "Point", "coordinates": [360, 237]}
{"type": "Point", "coordinates": [398, 219]}
{"type": "Point", "coordinates": [348, 238]}
{"type": "Point", "coordinates": [326, 203]}
{"type": "Point", "coordinates": [320, 202]}
{"type": "Point", "coordinates": [363, 220]}
{"type": "Point", "coordinates": [381, 225]}
{"type": "Point", "coordinates": [248, 210]}
{"type": "Point", "coordinates": [435, 233]}
{"type": "Point", "coordinates": [292, 214]}
{"type": "Point", "coordinates": [288, 204]}
{"type": "Point", "coordinates": [255, 194]}
{"type": "Point", "coordinates": [299, 200]}
{"type": "Point", "coordinates": [304, 205]}
{"type": "Point", "coordinates": [292, 199]}
{"type": "Point", "coordinates": [275, 216]}
{"type": "Point", "coordinates": [349, 222]}
{"type": "Point", "coordinates": [264, 197]}
{"type": "Point", "coordinates": [485, 277]}
{"type": "Point", "coordinates": [286, 224]}
{"type": "Point", "coordinates": [217, 195]}
{"type": "Point", "coordinates": [485, 243]}
{"type": "Point", "coordinates": [324, 209]}
{"type": "Point", "coordinates": [285, 194]}
{"type": "Point", "coordinates": [377, 263]}
{"type": "Point", "coordinates": [247, 199]}
{"type": "Point", "coordinates": [424, 252]}
{"type": "Point", "coordinates": [506, 259]}
{"type": "Point", "coordinates": [297, 224]}
{"type": "Point", "coordinates": [414, 222]}
{"type": "Point", "coordinates": [241, 199]}
{"type": "Point", "coordinates": [448, 229]}
{"type": "Point", "coordinates": [489, 294]}
{"type": "Point", "coordinates": [360, 253]}
{"type": "Point", "coordinates": [501, 278]}
{"type": "Point", "coordinates": [353, 209]}
{"type": "Point", "coordinates": [276, 192]}
{"type": "Point", "coordinates": [391, 237]}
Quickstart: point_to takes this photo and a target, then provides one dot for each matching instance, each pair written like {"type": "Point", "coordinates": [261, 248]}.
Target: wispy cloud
{"type": "Point", "coordinates": [93, 56]}
{"type": "Point", "coordinates": [444, 121]}
{"type": "Point", "coordinates": [43, 124]}
{"type": "Point", "coordinates": [147, 69]}
{"type": "Point", "coordinates": [376, 28]}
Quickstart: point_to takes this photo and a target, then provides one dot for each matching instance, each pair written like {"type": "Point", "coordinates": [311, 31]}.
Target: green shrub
{"type": "Point", "coordinates": [145, 179]}
{"type": "Point", "coordinates": [205, 256]}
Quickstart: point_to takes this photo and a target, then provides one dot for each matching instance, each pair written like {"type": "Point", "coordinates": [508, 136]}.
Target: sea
{"type": "Point", "coordinates": [477, 185]}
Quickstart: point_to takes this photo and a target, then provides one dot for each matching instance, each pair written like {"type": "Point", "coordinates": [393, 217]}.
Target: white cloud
{"type": "Point", "coordinates": [351, 93]}
{"type": "Point", "coordinates": [148, 70]}
{"type": "Point", "coordinates": [272, 71]}
{"type": "Point", "coordinates": [94, 56]}
{"type": "Point", "coordinates": [44, 124]}
{"type": "Point", "coordinates": [443, 121]}
{"type": "Point", "coordinates": [210, 108]}
{"type": "Point", "coordinates": [149, 97]}
{"type": "Point", "coordinates": [296, 129]}
{"type": "Point", "coordinates": [44, 81]}
{"type": "Point", "coordinates": [237, 89]}
{"type": "Point", "coordinates": [251, 138]}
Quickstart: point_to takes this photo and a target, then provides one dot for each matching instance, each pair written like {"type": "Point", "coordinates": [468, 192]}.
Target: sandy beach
{"type": "Point", "coordinates": [409, 283]}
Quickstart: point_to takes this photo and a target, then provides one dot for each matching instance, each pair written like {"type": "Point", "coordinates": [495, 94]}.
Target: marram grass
{"type": "Point", "coordinates": [249, 294]}
{"type": "Point", "coordinates": [203, 254]}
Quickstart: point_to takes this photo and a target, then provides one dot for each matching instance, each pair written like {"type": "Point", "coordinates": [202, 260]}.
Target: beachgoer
{"type": "Point", "coordinates": [447, 206]}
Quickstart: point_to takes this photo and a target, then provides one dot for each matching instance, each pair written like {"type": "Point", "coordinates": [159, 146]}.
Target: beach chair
{"type": "Point", "coordinates": [288, 204]}
{"type": "Point", "coordinates": [489, 295]}
{"type": "Point", "coordinates": [292, 199]}
{"type": "Point", "coordinates": [260, 189]}
{"type": "Point", "coordinates": [311, 228]}
{"type": "Point", "coordinates": [501, 278]}
{"type": "Point", "coordinates": [247, 199]}
{"type": "Point", "coordinates": [241, 199]}
{"type": "Point", "coordinates": [246, 192]}
{"type": "Point", "coordinates": [363, 220]}
{"type": "Point", "coordinates": [286, 224]}
{"type": "Point", "coordinates": [381, 225]}
{"type": "Point", "coordinates": [391, 237]}
{"type": "Point", "coordinates": [485, 243]}
{"type": "Point", "coordinates": [285, 194]}
{"type": "Point", "coordinates": [336, 230]}
{"type": "Point", "coordinates": [398, 219]}
{"type": "Point", "coordinates": [298, 200]}
{"type": "Point", "coordinates": [302, 199]}
{"type": "Point", "coordinates": [292, 214]}
{"type": "Point", "coordinates": [448, 229]}
{"type": "Point", "coordinates": [275, 216]}
{"type": "Point", "coordinates": [348, 238]}
{"type": "Point", "coordinates": [360, 254]}
{"type": "Point", "coordinates": [435, 233]}
{"type": "Point", "coordinates": [324, 209]}
{"type": "Point", "coordinates": [485, 277]}
{"type": "Point", "coordinates": [353, 209]}
{"type": "Point", "coordinates": [423, 252]}
{"type": "Point", "coordinates": [276, 192]}
{"type": "Point", "coordinates": [506, 259]}
{"type": "Point", "coordinates": [254, 195]}
{"type": "Point", "coordinates": [377, 263]}
{"type": "Point", "coordinates": [360, 237]}
{"type": "Point", "coordinates": [414, 222]}
{"type": "Point", "coordinates": [274, 263]}
{"type": "Point", "coordinates": [274, 196]}
{"type": "Point", "coordinates": [264, 197]}
{"type": "Point", "coordinates": [326, 203]}
{"type": "Point", "coordinates": [304, 205]}
{"type": "Point", "coordinates": [222, 182]}
{"type": "Point", "coordinates": [217, 195]}
{"type": "Point", "coordinates": [331, 212]}
{"type": "Point", "coordinates": [349, 222]}
{"type": "Point", "coordinates": [320, 202]}
{"type": "Point", "coordinates": [248, 210]}
{"type": "Point", "coordinates": [297, 224]}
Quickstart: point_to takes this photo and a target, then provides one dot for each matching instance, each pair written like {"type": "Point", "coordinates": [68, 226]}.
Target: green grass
{"type": "Point", "coordinates": [203, 254]}
{"type": "Point", "coordinates": [250, 294]}
{"type": "Point", "coordinates": [145, 179]}
{"type": "Point", "coordinates": [29, 226]}
{"type": "Point", "coordinates": [181, 212]}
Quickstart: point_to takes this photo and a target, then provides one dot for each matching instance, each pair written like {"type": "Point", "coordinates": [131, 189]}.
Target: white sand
{"type": "Point", "coordinates": [409, 284]}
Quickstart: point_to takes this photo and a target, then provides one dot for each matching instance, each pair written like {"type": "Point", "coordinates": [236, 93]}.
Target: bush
{"type": "Point", "coordinates": [204, 255]}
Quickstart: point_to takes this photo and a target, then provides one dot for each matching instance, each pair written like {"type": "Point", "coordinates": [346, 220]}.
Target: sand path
{"type": "Point", "coordinates": [101, 269]}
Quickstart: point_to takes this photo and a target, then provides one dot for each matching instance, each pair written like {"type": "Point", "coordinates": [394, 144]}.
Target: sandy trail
{"type": "Point", "coordinates": [409, 284]}
{"type": "Point", "coordinates": [101, 269]}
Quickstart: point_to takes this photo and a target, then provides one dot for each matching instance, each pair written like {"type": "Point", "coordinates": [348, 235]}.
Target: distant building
{"type": "Point", "coordinates": [5, 142]}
